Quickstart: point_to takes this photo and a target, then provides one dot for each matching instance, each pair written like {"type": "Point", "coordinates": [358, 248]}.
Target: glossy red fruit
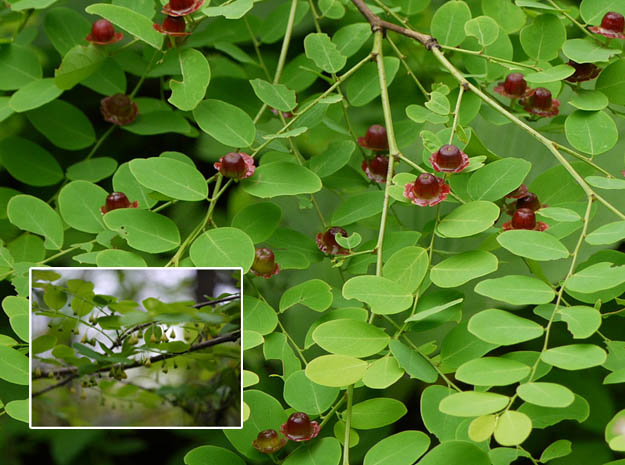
{"type": "Point", "coordinates": [182, 7]}
{"type": "Point", "coordinates": [299, 427]}
{"type": "Point", "coordinates": [376, 168]}
{"type": "Point", "coordinates": [375, 138]}
{"type": "Point", "coordinates": [268, 441]}
{"type": "Point", "coordinates": [449, 159]}
{"type": "Point", "coordinates": [513, 87]}
{"type": "Point", "coordinates": [540, 102]}
{"type": "Point", "coordinates": [583, 71]}
{"type": "Point", "coordinates": [172, 26]}
{"type": "Point", "coordinates": [612, 26]}
{"type": "Point", "coordinates": [427, 190]}
{"type": "Point", "coordinates": [236, 165]}
{"type": "Point", "coordinates": [119, 109]}
{"type": "Point", "coordinates": [117, 200]}
{"type": "Point", "coordinates": [327, 243]}
{"type": "Point", "coordinates": [530, 201]}
{"type": "Point", "coordinates": [524, 218]}
{"type": "Point", "coordinates": [103, 33]}
{"type": "Point", "coordinates": [265, 263]}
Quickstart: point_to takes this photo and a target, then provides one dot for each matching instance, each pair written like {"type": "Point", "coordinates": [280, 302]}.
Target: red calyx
{"type": "Point", "coordinates": [427, 190]}
{"type": "Point", "coordinates": [236, 165]}
{"type": "Point", "coordinates": [182, 7]}
{"type": "Point", "coordinates": [540, 102]}
{"type": "Point", "coordinates": [172, 26]}
{"type": "Point", "coordinates": [299, 427]}
{"type": "Point", "coordinates": [268, 441]}
{"type": "Point", "coordinates": [449, 159]}
{"type": "Point", "coordinates": [117, 200]}
{"type": "Point", "coordinates": [513, 87]}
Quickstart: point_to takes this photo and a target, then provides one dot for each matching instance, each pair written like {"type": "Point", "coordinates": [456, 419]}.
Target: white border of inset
{"type": "Point", "coordinates": [30, 338]}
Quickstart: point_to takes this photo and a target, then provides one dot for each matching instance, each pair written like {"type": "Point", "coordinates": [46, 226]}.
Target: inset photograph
{"type": "Point", "coordinates": [135, 348]}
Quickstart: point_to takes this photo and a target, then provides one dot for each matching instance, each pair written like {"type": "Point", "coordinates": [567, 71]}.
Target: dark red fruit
{"type": "Point", "coordinates": [182, 7]}
{"type": "Point", "coordinates": [427, 190]}
{"type": "Point", "coordinates": [117, 200]}
{"type": "Point", "coordinates": [236, 165]}
{"type": "Point", "coordinates": [530, 201]}
{"type": "Point", "coordinates": [449, 159]}
{"type": "Point", "coordinates": [269, 441]}
{"type": "Point", "coordinates": [299, 427]}
{"type": "Point", "coordinates": [540, 102]}
{"type": "Point", "coordinates": [583, 71]}
{"type": "Point", "coordinates": [612, 26]}
{"type": "Point", "coordinates": [327, 243]}
{"type": "Point", "coordinates": [375, 138]}
{"type": "Point", "coordinates": [376, 168]}
{"type": "Point", "coordinates": [103, 32]}
{"type": "Point", "coordinates": [524, 218]}
{"type": "Point", "coordinates": [265, 263]}
{"type": "Point", "coordinates": [119, 109]}
{"type": "Point", "coordinates": [172, 26]}
{"type": "Point", "coordinates": [514, 86]}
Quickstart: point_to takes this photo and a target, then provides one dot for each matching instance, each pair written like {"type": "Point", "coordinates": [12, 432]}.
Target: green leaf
{"type": "Point", "coordinates": [77, 65]}
{"type": "Point", "coordinates": [441, 425]}
{"type": "Point", "coordinates": [144, 230]}
{"type": "Point", "coordinates": [258, 220]}
{"type": "Point", "coordinates": [65, 126]}
{"type": "Point", "coordinates": [420, 114]}
{"type": "Point", "coordinates": [79, 204]}
{"type": "Point", "coordinates": [65, 28]}
{"type": "Point", "coordinates": [227, 247]}
{"type": "Point", "coordinates": [336, 370]}
{"type": "Point", "coordinates": [18, 410]}
{"type": "Point", "coordinates": [460, 346]}
{"type": "Point", "coordinates": [349, 242]}
{"type": "Point", "coordinates": [543, 417]}
{"type": "Point", "coordinates": [589, 100]}
{"type": "Point", "coordinates": [582, 321]}
{"type": "Point", "coordinates": [438, 103]}
{"type": "Point", "coordinates": [226, 123]}
{"type": "Point", "coordinates": [251, 339]}
{"type": "Point", "coordinates": [402, 448]}
{"type": "Point", "coordinates": [274, 25]}
{"type": "Point", "coordinates": [503, 328]}
{"type": "Point", "coordinates": [516, 290]}
{"type": "Point", "coordinates": [534, 245]}
{"type": "Point", "coordinates": [186, 95]}
{"type": "Point", "coordinates": [325, 450]}
{"type": "Point", "coordinates": [386, 297]}
{"type": "Point", "coordinates": [543, 38]}
{"type": "Point", "coordinates": [574, 356]}
{"type": "Point", "coordinates": [159, 122]}
{"type": "Point", "coordinates": [555, 450]}
{"type": "Point", "coordinates": [382, 373]}
{"type": "Point", "coordinates": [212, 454]}
{"type": "Point", "coordinates": [170, 177]}
{"type": "Point", "coordinates": [333, 158]}
{"type": "Point", "coordinates": [509, 16]}
{"type": "Point", "coordinates": [592, 132]}
{"type": "Point", "coordinates": [34, 215]}
{"type": "Point", "coordinates": [54, 297]}
{"type": "Point", "coordinates": [320, 49]}
{"type": "Point", "coordinates": [124, 181]}
{"type": "Point", "coordinates": [93, 170]}
{"type": "Point", "coordinates": [611, 82]}
{"type": "Point", "coordinates": [34, 94]}
{"type": "Point", "coordinates": [349, 39]}
{"type": "Point", "coordinates": [512, 428]}
{"type": "Point", "coordinates": [13, 366]}
{"type": "Point", "coordinates": [605, 183]}
{"type": "Point", "coordinates": [448, 23]}
{"type": "Point", "coordinates": [607, 234]}
{"type": "Point", "coordinates": [130, 21]}
{"type": "Point", "coordinates": [557, 73]}
{"type": "Point", "coordinates": [314, 294]}
{"type": "Point", "coordinates": [492, 371]}
{"type": "Point", "coordinates": [364, 85]}
{"type": "Point", "coordinates": [596, 277]}
{"type": "Point", "coordinates": [377, 412]}
{"type": "Point", "coordinates": [498, 178]}
{"type": "Point", "coordinates": [29, 163]}
{"type": "Point", "coordinates": [358, 207]}
{"type": "Point", "coordinates": [350, 337]}
{"type": "Point", "coordinates": [308, 397]}
{"type": "Point", "coordinates": [19, 325]}
{"type": "Point", "coordinates": [469, 219]}
{"type": "Point", "coordinates": [258, 316]}
{"type": "Point", "coordinates": [563, 215]}
{"type": "Point", "coordinates": [43, 343]}
{"type": "Point", "coordinates": [415, 364]}
{"type": "Point", "coordinates": [462, 268]}
{"type": "Point", "coordinates": [482, 428]}
{"type": "Point", "coordinates": [484, 28]}
{"type": "Point", "coordinates": [119, 258]}
{"type": "Point", "coordinates": [587, 51]}
{"type": "Point", "coordinates": [407, 266]}
{"type": "Point", "coordinates": [234, 10]}
{"type": "Point", "coordinates": [20, 65]}
{"type": "Point", "coordinates": [281, 178]}
{"type": "Point", "coordinates": [546, 394]}
{"type": "Point", "coordinates": [472, 403]}
{"type": "Point", "coordinates": [277, 96]}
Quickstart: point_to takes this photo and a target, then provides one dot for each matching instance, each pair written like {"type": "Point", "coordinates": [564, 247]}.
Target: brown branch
{"type": "Point", "coordinates": [72, 372]}
{"type": "Point", "coordinates": [378, 24]}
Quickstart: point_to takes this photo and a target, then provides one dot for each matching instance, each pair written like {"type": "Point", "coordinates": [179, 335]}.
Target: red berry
{"type": "Point", "coordinates": [117, 200]}
{"type": "Point", "coordinates": [180, 4]}
{"type": "Point", "coordinates": [375, 138]}
{"type": "Point", "coordinates": [583, 71]}
{"type": "Point", "coordinates": [613, 21]}
{"type": "Point", "coordinates": [299, 427]}
{"type": "Point", "coordinates": [327, 243]}
{"type": "Point", "coordinates": [236, 165]}
{"type": "Point", "coordinates": [264, 263]}
{"type": "Point", "coordinates": [182, 7]}
{"type": "Point", "coordinates": [119, 109]}
{"type": "Point", "coordinates": [269, 441]}
{"type": "Point", "coordinates": [102, 30]}
{"type": "Point", "coordinates": [540, 102]}
{"type": "Point", "coordinates": [530, 201]}
{"type": "Point", "coordinates": [515, 84]}
{"type": "Point", "coordinates": [427, 190]}
{"type": "Point", "coordinates": [376, 168]}
{"type": "Point", "coordinates": [541, 98]}
{"type": "Point", "coordinates": [449, 159]}
{"type": "Point", "coordinates": [524, 218]}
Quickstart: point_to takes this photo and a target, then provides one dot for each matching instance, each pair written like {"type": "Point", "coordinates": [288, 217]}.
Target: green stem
{"type": "Point", "coordinates": [456, 113]}
{"type": "Point", "coordinates": [285, 42]}
{"type": "Point", "coordinates": [491, 58]}
{"type": "Point", "coordinates": [328, 415]}
{"type": "Point", "coordinates": [348, 423]}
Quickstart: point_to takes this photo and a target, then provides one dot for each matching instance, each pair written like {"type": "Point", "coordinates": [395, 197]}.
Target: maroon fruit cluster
{"type": "Point", "coordinates": [537, 101]}
{"type": "Point", "coordinates": [522, 208]}
{"type": "Point", "coordinates": [174, 23]}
